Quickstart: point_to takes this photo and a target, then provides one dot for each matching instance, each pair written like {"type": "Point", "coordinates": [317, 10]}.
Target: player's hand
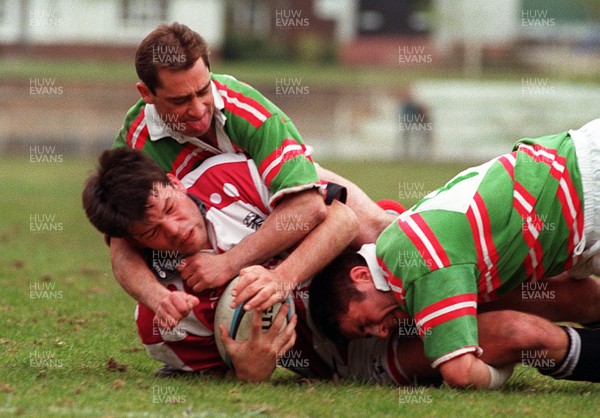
{"type": "Point", "coordinates": [260, 288]}
{"type": "Point", "coordinates": [173, 307]}
{"type": "Point", "coordinates": [255, 359]}
{"type": "Point", "coordinates": [206, 271]}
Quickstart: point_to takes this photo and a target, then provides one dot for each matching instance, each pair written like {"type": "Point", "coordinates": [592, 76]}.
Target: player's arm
{"type": "Point", "coordinates": [262, 288]}
{"type": "Point", "coordinates": [137, 280]}
{"type": "Point", "coordinates": [373, 219]}
{"type": "Point", "coordinates": [291, 220]}
{"type": "Point", "coordinates": [469, 371]}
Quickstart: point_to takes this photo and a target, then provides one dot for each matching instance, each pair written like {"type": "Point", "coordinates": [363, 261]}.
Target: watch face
{"type": "Point", "coordinates": [163, 263]}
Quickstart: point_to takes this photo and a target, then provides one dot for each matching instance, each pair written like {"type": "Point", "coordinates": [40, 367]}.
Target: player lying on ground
{"type": "Point", "coordinates": [516, 219]}
{"type": "Point", "coordinates": [131, 197]}
{"type": "Point", "coordinates": [112, 193]}
{"type": "Point", "coordinates": [186, 114]}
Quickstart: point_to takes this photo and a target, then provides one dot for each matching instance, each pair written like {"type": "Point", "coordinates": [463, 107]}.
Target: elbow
{"type": "Point", "coordinates": [320, 212]}
{"type": "Point", "coordinates": [350, 222]}
{"type": "Point", "coordinates": [317, 211]}
{"type": "Point", "coordinates": [458, 379]}
{"type": "Point", "coordinates": [461, 372]}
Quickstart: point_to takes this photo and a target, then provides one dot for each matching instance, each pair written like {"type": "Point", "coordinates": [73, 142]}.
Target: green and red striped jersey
{"type": "Point", "coordinates": [515, 219]}
{"type": "Point", "coordinates": [245, 121]}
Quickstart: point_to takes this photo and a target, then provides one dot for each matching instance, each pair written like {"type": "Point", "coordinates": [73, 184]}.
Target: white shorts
{"type": "Point", "coordinates": [587, 147]}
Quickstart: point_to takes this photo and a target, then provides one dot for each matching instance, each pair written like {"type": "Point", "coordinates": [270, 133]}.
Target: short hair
{"type": "Point", "coordinates": [177, 42]}
{"type": "Point", "coordinates": [331, 292]}
{"type": "Point", "coordinates": [116, 195]}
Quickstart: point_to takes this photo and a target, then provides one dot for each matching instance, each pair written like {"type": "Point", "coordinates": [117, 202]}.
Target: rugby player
{"type": "Point", "coordinates": [187, 113]}
{"type": "Point", "coordinates": [516, 219]}
{"type": "Point", "coordinates": [131, 197]}
{"type": "Point", "coordinates": [234, 208]}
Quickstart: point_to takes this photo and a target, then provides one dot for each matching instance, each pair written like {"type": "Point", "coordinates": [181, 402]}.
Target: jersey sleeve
{"type": "Point", "coordinates": [267, 134]}
{"type": "Point", "coordinates": [132, 120]}
{"type": "Point", "coordinates": [443, 304]}
{"type": "Point", "coordinates": [282, 158]}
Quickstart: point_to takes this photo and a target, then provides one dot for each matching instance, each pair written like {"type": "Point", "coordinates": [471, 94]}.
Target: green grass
{"type": "Point", "coordinates": [54, 351]}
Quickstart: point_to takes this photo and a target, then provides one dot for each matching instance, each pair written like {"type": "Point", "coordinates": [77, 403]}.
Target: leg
{"type": "Point", "coordinates": [560, 352]}
{"type": "Point", "coordinates": [512, 337]}
{"type": "Point", "coordinates": [558, 298]}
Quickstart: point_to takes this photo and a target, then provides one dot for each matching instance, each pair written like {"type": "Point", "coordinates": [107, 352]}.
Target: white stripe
{"type": "Point", "coordinates": [277, 161]}
{"type": "Point", "coordinates": [186, 161]}
{"type": "Point", "coordinates": [446, 310]}
{"type": "Point", "coordinates": [511, 159]}
{"type": "Point", "coordinates": [525, 203]}
{"type": "Point", "coordinates": [413, 225]}
{"type": "Point", "coordinates": [532, 229]}
{"type": "Point", "coordinates": [571, 208]}
{"type": "Point", "coordinates": [456, 353]}
{"type": "Point", "coordinates": [136, 134]}
{"type": "Point", "coordinates": [397, 289]}
{"type": "Point", "coordinates": [484, 249]}
{"type": "Point", "coordinates": [545, 154]}
{"type": "Point", "coordinates": [245, 106]}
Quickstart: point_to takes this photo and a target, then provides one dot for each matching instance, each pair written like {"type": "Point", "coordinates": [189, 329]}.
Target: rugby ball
{"type": "Point", "coordinates": [239, 322]}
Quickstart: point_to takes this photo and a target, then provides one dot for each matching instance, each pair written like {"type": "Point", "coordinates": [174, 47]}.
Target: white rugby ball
{"type": "Point", "coordinates": [239, 322]}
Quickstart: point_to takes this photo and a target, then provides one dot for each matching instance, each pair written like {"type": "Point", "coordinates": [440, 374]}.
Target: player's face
{"type": "Point", "coordinates": [376, 315]}
{"type": "Point", "coordinates": [184, 99]}
{"type": "Point", "coordinates": [173, 222]}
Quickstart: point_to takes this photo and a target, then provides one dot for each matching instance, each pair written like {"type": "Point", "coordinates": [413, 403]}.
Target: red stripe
{"type": "Point", "coordinates": [133, 127]}
{"type": "Point", "coordinates": [394, 281]}
{"type": "Point", "coordinates": [275, 170]}
{"type": "Point", "coordinates": [508, 165]}
{"type": "Point", "coordinates": [533, 267]}
{"type": "Point", "coordinates": [420, 244]}
{"type": "Point", "coordinates": [444, 303]}
{"type": "Point", "coordinates": [184, 166]}
{"type": "Point", "coordinates": [278, 153]}
{"type": "Point", "coordinates": [484, 270]}
{"type": "Point", "coordinates": [236, 110]}
{"type": "Point", "coordinates": [449, 316]}
{"type": "Point", "coordinates": [554, 172]}
{"type": "Point", "coordinates": [142, 137]}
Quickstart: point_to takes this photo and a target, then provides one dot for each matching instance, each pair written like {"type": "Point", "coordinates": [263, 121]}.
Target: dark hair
{"type": "Point", "coordinates": [116, 195]}
{"type": "Point", "coordinates": [331, 292]}
{"type": "Point", "coordinates": [174, 47]}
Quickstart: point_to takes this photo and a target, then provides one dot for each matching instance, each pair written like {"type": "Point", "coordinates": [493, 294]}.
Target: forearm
{"type": "Point", "coordinates": [134, 276]}
{"type": "Point", "coordinates": [288, 224]}
{"type": "Point", "coordinates": [373, 219]}
{"type": "Point", "coordinates": [322, 245]}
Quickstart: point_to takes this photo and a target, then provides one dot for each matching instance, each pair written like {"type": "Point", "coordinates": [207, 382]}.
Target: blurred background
{"type": "Point", "coordinates": [430, 80]}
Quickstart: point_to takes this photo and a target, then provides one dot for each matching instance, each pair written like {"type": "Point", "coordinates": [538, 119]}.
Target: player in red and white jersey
{"type": "Point", "coordinates": [131, 197]}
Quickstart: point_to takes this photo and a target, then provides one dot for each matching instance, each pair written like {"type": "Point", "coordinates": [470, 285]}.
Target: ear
{"type": "Point", "coordinates": [177, 184]}
{"type": "Point", "coordinates": [361, 274]}
{"type": "Point", "coordinates": [145, 92]}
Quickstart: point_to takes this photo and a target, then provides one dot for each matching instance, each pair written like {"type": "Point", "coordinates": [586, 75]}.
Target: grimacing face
{"type": "Point", "coordinates": [184, 100]}
{"type": "Point", "coordinates": [173, 221]}
{"type": "Point", "coordinates": [377, 314]}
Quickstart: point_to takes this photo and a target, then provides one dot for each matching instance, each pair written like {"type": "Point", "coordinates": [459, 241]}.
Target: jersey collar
{"type": "Point", "coordinates": [158, 129]}
{"type": "Point", "coordinates": [367, 251]}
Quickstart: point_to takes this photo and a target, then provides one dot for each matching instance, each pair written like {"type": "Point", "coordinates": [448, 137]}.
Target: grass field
{"type": "Point", "coordinates": [69, 347]}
